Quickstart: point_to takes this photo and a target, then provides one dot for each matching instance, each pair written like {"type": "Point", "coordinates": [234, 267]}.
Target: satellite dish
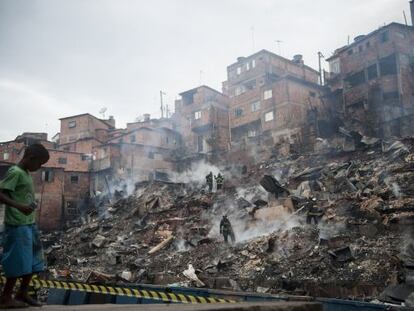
{"type": "Point", "coordinates": [102, 112]}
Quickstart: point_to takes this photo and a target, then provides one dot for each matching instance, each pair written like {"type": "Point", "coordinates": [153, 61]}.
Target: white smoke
{"type": "Point", "coordinates": [247, 226]}
{"type": "Point", "coordinates": [330, 230]}
{"type": "Point", "coordinates": [251, 193]}
{"type": "Point", "coordinates": [196, 175]}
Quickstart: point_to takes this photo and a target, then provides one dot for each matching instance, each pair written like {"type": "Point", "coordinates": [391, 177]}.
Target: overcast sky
{"type": "Point", "coordinates": [64, 57]}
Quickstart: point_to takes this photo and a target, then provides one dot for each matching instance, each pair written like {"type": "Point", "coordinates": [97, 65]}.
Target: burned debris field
{"type": "Point", "coordinates": [168, 232]}
{"type": "Point", "coordinates": [156, 157]}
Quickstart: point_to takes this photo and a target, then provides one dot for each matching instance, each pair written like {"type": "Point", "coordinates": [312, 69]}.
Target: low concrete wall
{"type": "Point", "coordinates": [253, 306]}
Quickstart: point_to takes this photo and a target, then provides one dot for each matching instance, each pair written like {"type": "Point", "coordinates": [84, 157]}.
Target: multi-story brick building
{"type": "Point", "coordinates": [61, 184]}
{"type": "Point", "coordinates": [372, 81]}
{"type": "Point", "coordinates": [201, 117]}
{"type": "Point", "coordinates": [144, 153]}
{"type": "Point", "coordinates": [81, 133]}
{"type": "Point", "coordinates": [10, 150]}
{"type": "Point", "coordinates": [271, 100]}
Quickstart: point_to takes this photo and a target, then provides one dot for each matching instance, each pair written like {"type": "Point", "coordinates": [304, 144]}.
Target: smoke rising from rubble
{"type": "Point", "coordinates": [196, 175]}
{"type": "Point", "coordinates": [329, 230]}
{"type": "Point", "coordinates": [266, 221]}
{"type": "Point", "coordinates": [251, 194]}
{"type": "Point", "coordinates": [393, 185]}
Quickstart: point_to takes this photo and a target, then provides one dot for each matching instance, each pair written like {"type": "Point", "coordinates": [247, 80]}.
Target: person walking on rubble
{"type": "Point", "coordinates": [22, 248]}
{"type": "Point", "coordinates": [209, 180]}
{"type": "Point", "coordinates": [219, 181]}
{"type": "Point", "coordinates": [226, 229]}
{"type": "Point", "coordinates": [313, 213]}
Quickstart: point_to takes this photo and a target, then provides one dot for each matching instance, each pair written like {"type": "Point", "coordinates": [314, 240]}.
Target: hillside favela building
{"type": "Point", "coordinates": [268, 106]}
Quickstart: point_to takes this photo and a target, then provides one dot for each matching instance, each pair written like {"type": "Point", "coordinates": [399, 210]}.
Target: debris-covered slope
{"type": "Point", "coordinates": [360, 245]}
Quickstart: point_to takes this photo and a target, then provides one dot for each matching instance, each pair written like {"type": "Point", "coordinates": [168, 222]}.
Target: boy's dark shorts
{"type": "Point", "coordinates": [22, 251]}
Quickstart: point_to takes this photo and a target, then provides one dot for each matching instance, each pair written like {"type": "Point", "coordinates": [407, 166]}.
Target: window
{"type": "Point", "coordinates": [72, 209]}
{"type": "Point", "coordinates": [368, 44]}
{"type": "Point", "coordinates": [334, 66]}
{"type": "Point", "coordinates": [356, 79]}
{"type": "Point", "coordinates": [167, 140]}
{"type": "Point", "coordinates": [247, 66]}
{"type": "Point", "coordinates": [384, 37]}
{"type": "Point", "coordinates": [161, 176]}
{"type": "Point", "coordinates": [251, 133]}
{"type": "Point", "coordinates": [269, 116]}
{"type": "Point", "coordinates": [388, 65]}
{"type": "Point", "coordinates": [6, 156]}
{"type": "Point", "coordinates": [62, 161]}
{"type": "Point", "coordinates": [72, 124]}
{"type": "Point", "coordinates": [250, 85]}
{"type": "Point", "coordinates": [267, 94]}
{"type": "Point", "coordinates": [238, 112]}
{"type": "Point", "coordinates": [197, 115]}
{"type": "Point", "coordinates": [132, 138]}
{"type": "Point", "coordinates": [238, 70]}
{"type": "Point", "coordinates": [400, 35]}
{"type": "Point", "coordinates": [66, 149]}
{"type": "Point", "coordinates": [350, 52]}
{"type": "Point", "coordinates": [372, 72]}
{"type": "Point", "coordinates": [255, 106]}
{"type": "Point", "coordinates": [85, 157]}
{"type": "Point", "coordinates": [253, 63]}
{"type": "Point", "coordinates": [151, 155]}
{"type": "Point", "coordinates": [239, 90]}
{"type": "Point", "coordinates": [74, 179]}
{"type": "Point", "coordinates": [200, 143]}
{"type": "Point", "coordinates": [360, 48]}
{"type": "Point", "coordinates": [390, 95]}
{"type": "Point", "coordinates": [47, 176]}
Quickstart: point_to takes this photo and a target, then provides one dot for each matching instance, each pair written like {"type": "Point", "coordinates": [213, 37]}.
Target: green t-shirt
{"type": "Point", "coordinates": [18, 184]}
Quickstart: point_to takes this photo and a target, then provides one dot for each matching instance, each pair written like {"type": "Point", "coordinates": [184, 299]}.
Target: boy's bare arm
{"type": "Point", "coordinates": [25, 209]}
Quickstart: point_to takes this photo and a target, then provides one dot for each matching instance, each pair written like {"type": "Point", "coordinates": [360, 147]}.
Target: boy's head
{"type": "Point", "coordinates": [35, 156]}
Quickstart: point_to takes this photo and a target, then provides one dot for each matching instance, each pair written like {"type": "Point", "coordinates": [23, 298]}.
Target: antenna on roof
{"type": "Point", "coordinates": [102, 112]}
{"type": "Point", "coordinates": [405, 18]}
{"type": "Point", "coordinates": [252, 30]}
{"type": "Point", "coordinates": [201, 77]}
{"type": "Point", "coordinates": [168, 111]}
{"type": "Point", "coordinates": [279, 47]}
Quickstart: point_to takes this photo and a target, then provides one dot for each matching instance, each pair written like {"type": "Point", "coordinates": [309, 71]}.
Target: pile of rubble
{"type": "Point", "coordinates": [167, 233]}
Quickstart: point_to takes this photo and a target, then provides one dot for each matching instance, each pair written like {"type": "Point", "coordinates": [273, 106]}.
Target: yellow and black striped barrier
{"type": "Point", "coordinates": [151, 294]}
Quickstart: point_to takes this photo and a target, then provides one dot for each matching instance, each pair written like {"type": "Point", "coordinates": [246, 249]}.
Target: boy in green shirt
{"type": "Point", "coordinates": [22, 250]}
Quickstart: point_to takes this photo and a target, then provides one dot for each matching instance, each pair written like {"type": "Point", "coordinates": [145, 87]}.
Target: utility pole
{"type": "Point", "coordinates": [162, 104]}
{"type": "Point", "coordinates": [320, 56]}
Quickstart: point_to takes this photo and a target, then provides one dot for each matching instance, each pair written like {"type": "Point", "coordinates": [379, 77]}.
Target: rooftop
{"type": "Point", "coordinates": [87, 114]}
{"type": "Point", "coordinates": [274, 55]}
{"type": "Point", "coordinates": [194, 90]}
{"type": "Point", "coordinates": [369, 35]}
